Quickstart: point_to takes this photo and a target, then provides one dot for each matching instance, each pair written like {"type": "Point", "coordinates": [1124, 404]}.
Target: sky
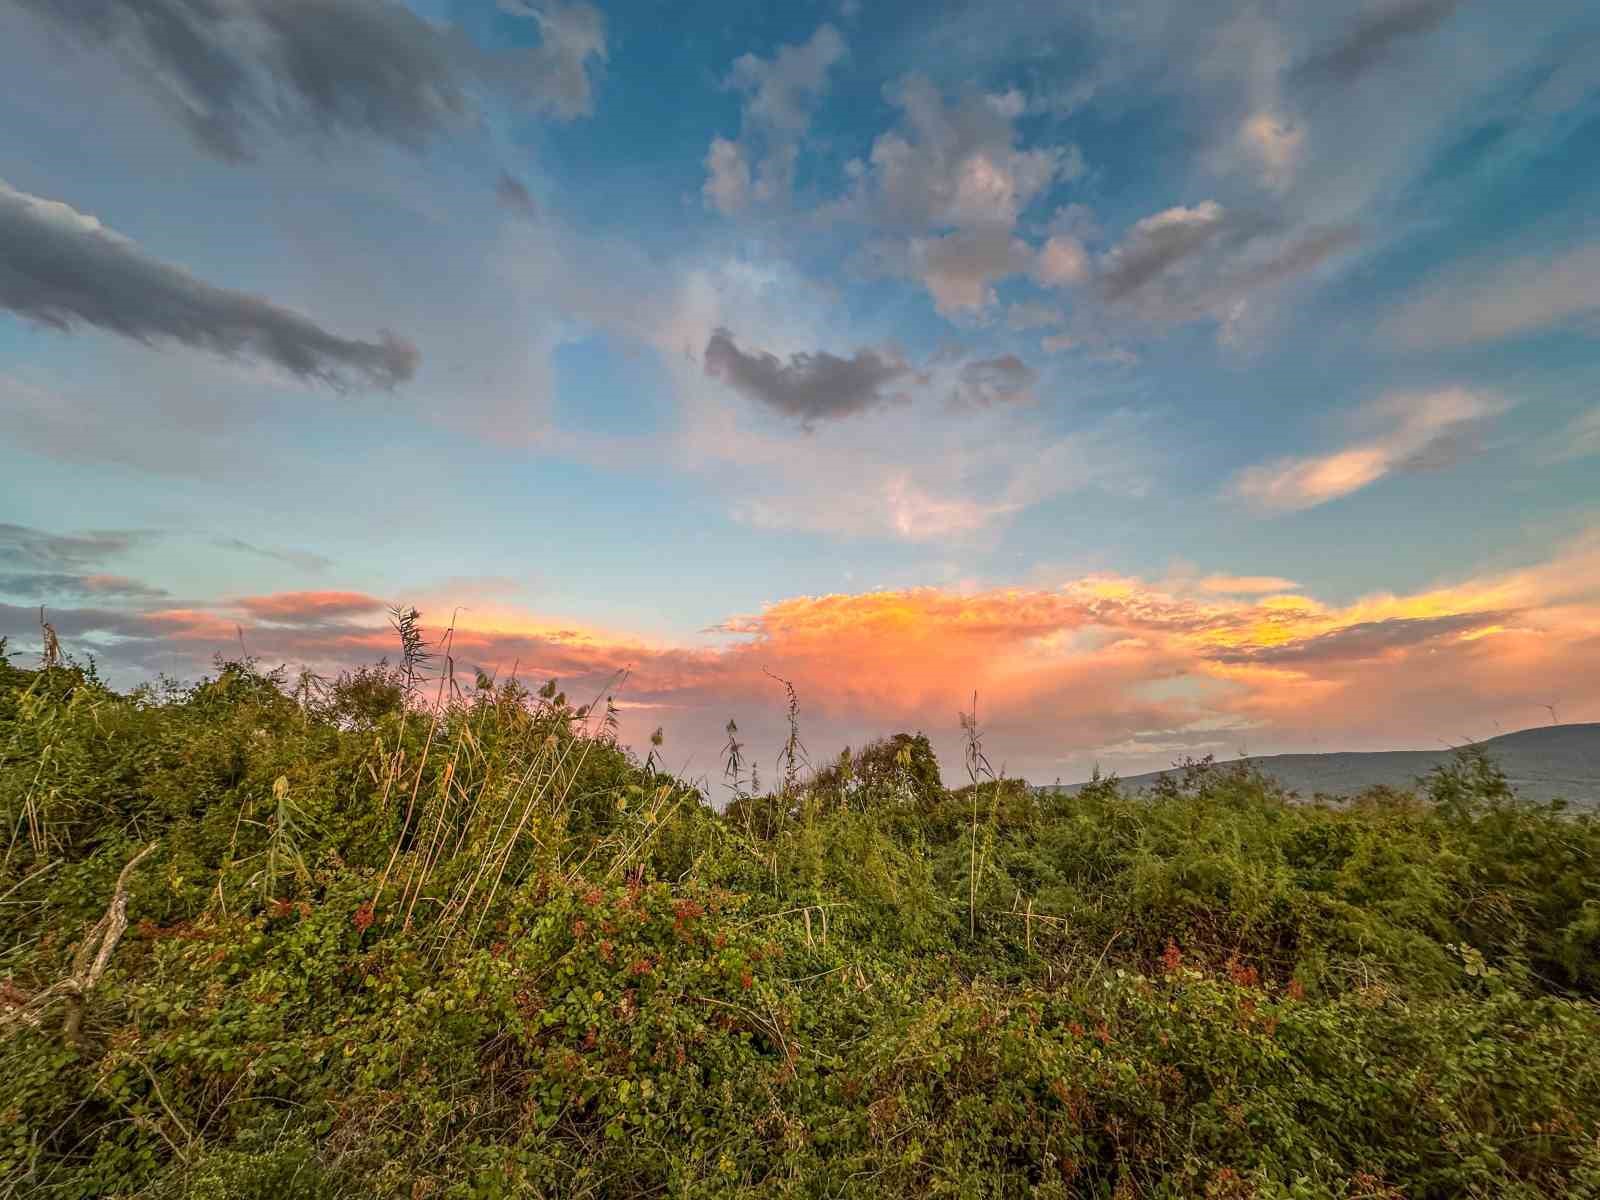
{"type": "Point", "coordinates": [1174, 378]}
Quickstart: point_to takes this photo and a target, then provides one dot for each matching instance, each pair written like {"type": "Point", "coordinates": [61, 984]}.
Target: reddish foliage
{"type": "Point", "coordinates": [364, 917]}
{"type": "Point", "coordinates": [1242, 974]}
{"type": "Point", "coordinates": [1172, 957]}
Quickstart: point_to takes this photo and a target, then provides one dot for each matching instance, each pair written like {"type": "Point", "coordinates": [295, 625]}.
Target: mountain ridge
{"type": "Point", "coordinates": [1544, 762]}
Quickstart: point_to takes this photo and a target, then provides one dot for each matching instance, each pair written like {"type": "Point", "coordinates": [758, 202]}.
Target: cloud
{"type": "Point", "coordinates": [990, 381]}
{"type": "Point", "coordinates": [1206, 262]}
{"type": "Point", "coordinates": [233, 71]}
{"type": "Point", "coordinates": [1062, 262]}
{"type": "Point", "coordinates": [1579, 439]}
{"type": "Point", "coordinates": [1425, 430]}
{"type": "Point", "coordinates": [1157, 243]}
{"type": "Point", "coordinates": [727, 185]}
{"type": "Point", "coordinates": [1490, 303]}
{"type": "Point", "coordinates": [1247, 585]}
{"type": "Point", "coordinates": [305, 560]}
{"type": "Point", "coordinates": [812, 386]}
{"type": "Point", "coordinates": [1373, 38]}
{"type": "Point", "coordinates": [309, 608]}
{"type": "Point", "coordinates": [1369, 639]}
{"type": "Point", "coordinates": [513, 196]}
{"type": "Point", "coordinates": [960, 269]}
{"type": "Point", "coordinates": [952, 166]}
{"type": "Point", "coordinates": [1276, 144]}
{"type": "Point", "coordinates": [1028, 315]}
{"type": "Point", "coordinates": [60, 267]}
{"type": "Point", "coordinates": [24, 547]}
{"type": "Point", "coordinates": [780, 94]}
{"type": "Point", "coordinates": [1099, 666]}
{"type": "Point", "coordinates": [42, 586]}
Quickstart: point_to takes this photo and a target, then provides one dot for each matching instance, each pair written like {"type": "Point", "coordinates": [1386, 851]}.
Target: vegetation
{"type": "Point", "coordinates": [385, 936]}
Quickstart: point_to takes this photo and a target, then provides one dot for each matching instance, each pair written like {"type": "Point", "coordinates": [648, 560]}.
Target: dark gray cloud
{"type": "Point", "coordinates": [62, 268]}
{"type": "Point", "coordinates": [231, 71]}
{"type": "Point", "coordinates": [513, 195]}
{"type": "Point", "coordinates": [1370, 639]}
{"type": "Point", "coordinates": [989, 381]}
{"type": "Point", "coordinates": [306, 560]}
{"type": "Point", "coordinates": [815, 386]}
{"type": "Point", "coordinates": [27, 548]}
{"type": "Point", "coordinates": [42, 586]}
{"type": "Point", "coordinates": [1157, 244]}
{"type": "Point", "coordinates": [1372, 38]}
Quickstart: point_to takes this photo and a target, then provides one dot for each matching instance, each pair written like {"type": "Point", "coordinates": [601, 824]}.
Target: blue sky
{"type": "Point", "coordinates": [647, 318]}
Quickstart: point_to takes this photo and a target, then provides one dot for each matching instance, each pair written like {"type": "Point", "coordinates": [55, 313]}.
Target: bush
{"type": "Point", "coordinates": [382, 950]}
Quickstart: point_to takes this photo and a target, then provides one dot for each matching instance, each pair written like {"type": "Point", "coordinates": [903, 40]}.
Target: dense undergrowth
{"type": "Point", "coordinates": [475, 948]}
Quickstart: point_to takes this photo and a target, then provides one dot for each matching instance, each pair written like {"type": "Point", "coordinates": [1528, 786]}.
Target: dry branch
{"type": "Point", "coordinates": [90, 962]}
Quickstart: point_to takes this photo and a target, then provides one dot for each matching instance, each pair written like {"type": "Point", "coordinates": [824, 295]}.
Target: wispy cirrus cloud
{"type": "Point", "coordinates": [1490, 302]}
{"type": "Point", "coordinates": [22, 546]}
{"type": "Point", "coordinates": [1373, 36]}
{"type": "Point", "coordinates": [62, 268]}
{"type": "Point", "coordinates": [305, 560]}
{"type": "Point", "coordinates": [1423, 430]}
{"type": "Point", "coordinates": [43, 586]}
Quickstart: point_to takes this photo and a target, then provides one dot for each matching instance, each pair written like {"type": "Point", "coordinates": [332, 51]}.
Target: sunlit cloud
{"type": "Point", "coordinates": [1103, 666]}
{"type": "Point", "coordinates": [1426, 429]}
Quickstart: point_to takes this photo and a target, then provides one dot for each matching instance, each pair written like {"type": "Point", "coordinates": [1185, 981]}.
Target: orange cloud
{"type": "Point", "coordinates": [1102, 668]}
{"type": "Point", "coordinates": [1422, 428]}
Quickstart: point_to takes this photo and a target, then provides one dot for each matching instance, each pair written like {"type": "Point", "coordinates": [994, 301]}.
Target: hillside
{"type": "Point", "coordinates": [264, 939]}
{"type": "Point", "coordinates": [1544, 763]}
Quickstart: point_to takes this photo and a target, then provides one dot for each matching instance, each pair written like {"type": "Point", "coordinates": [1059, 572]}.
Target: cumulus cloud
{"type": "Point", "coordinates": [1374, 37]}
{"type": "Point", "coordinates": [1424, 430]}
{"type": "Point", "coordinates": [63, 268]}
{"type": "Point", "coordinates": [953, 166]}
{"type": "Point", "coordinates": [1062, 262]}
{"type": "Point", "coordinates": [1488, 303]}
{"type": "Point", "coordinates": [780, 94]}
{"type": "Point", "coordinates": [233, 71]}
{"type": "Point", "coordinates": [960, 269]}
{"type": "Point", "coordinates": [727, 185]}
{"type": "Point", "coordinates": [811, 386]}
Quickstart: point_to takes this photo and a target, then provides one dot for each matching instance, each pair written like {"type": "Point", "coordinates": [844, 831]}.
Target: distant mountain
{"type": "Point", "coordinates": [1546, 763]}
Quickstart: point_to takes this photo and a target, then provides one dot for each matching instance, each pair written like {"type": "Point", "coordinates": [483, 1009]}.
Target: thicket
{"type": "Point", "coordinates": [388, 937]}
